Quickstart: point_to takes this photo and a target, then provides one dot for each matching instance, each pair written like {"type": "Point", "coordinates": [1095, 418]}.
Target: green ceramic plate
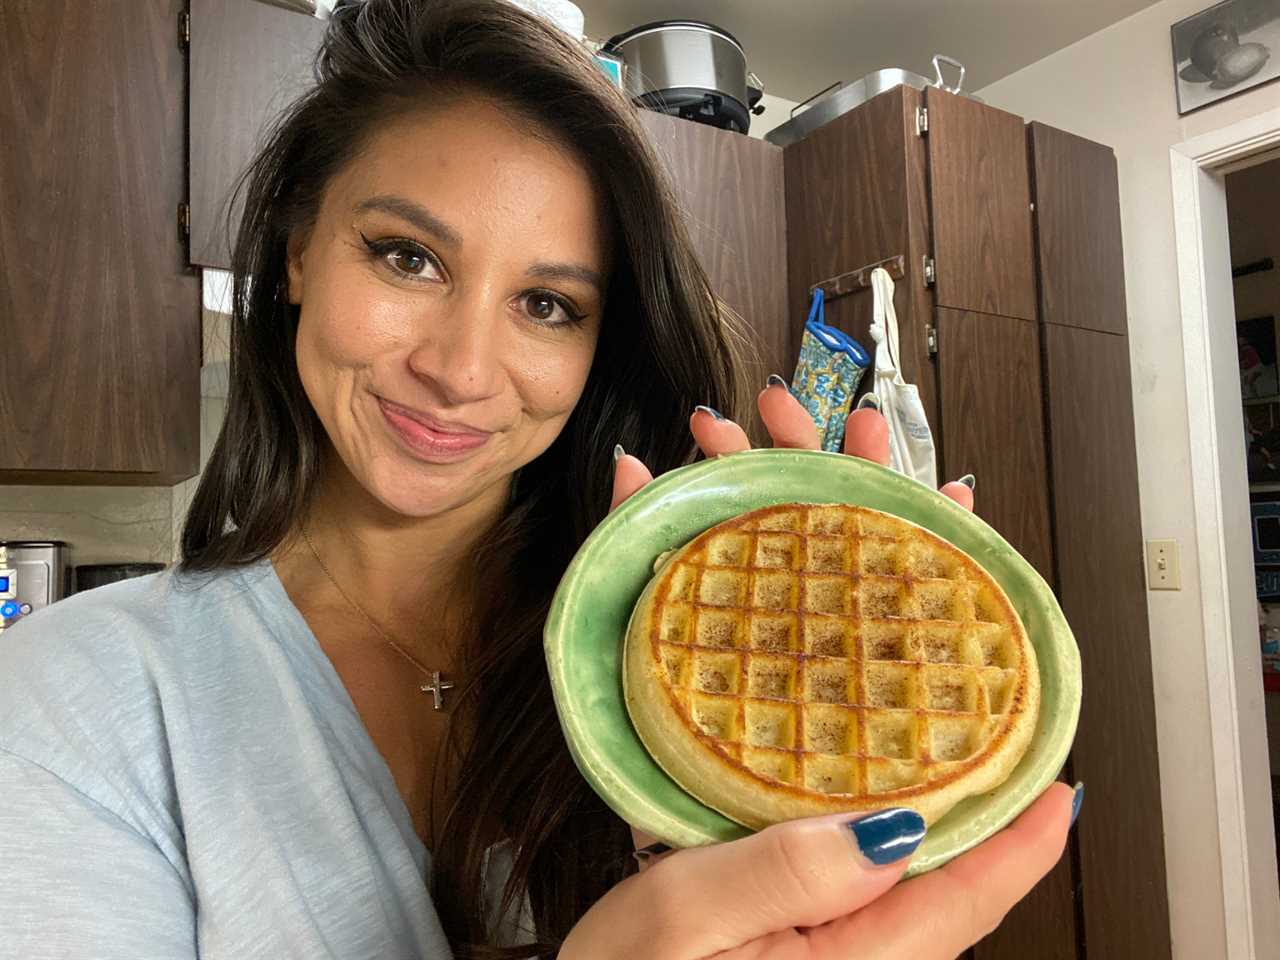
{"type": "Point", "coordinates": [591, 608]}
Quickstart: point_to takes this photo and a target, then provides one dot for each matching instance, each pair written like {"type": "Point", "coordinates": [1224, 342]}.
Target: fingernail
{"type": "Point", "coordinates": [889, 835]}
{"type": "Point", "coordinates": [869, 401]}
{"type": "Point", "coordinates": [968, 480]}
{"type": "Point", "coordinates": [775, 381]}
{"type": "Point", "coordinates": [1076, 801]}
{"type": "Point", "coordinates": [618, 452]}
{"type": "Point", "coordinates": [652, 850]}
{"type": "Point", "coordinates": [705, 409]}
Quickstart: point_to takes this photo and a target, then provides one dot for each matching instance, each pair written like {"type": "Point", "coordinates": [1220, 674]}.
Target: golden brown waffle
{"type": "Point", "coordinates": [814, 658]}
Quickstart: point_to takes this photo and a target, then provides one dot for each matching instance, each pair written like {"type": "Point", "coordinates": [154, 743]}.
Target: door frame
{"type": "Point", "coordinates": [1221, 516]}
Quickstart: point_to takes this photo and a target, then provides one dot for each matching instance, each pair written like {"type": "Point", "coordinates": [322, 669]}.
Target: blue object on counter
{"type": "Point", "coordinates": [8, 610]}
{"type": "Point", "coordinates": [827, 374]}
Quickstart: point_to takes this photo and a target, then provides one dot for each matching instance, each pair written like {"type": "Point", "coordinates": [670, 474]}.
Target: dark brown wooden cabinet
{"type": "Point", "coordinates": [249, 61]}
{"type": "Point", "coordinates": [99, 311]}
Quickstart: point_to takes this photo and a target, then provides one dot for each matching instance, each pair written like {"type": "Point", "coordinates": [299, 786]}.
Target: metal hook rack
{"type": "Point", "coordinates": [860, 279]}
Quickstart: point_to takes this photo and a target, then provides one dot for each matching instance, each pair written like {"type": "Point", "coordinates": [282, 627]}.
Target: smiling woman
{"type": "Point", "coordinates": [460, 283]}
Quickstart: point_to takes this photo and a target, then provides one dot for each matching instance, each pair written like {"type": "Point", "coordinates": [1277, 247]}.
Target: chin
{"type": "Point", "coordinates": [422, 490]}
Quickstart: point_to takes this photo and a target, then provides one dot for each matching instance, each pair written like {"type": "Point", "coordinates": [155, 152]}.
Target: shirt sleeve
{"type": "Point", "coordinates": [77, 882]}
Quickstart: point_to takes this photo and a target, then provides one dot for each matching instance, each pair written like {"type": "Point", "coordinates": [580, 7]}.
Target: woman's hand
{"type": "Point", "coordinates": [807, 890]}
{"type": "Point", "coordinates": [789, 424]}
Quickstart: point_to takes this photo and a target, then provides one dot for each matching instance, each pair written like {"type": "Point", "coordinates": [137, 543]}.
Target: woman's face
{"type": "Point", "coordinates": [451, 292]}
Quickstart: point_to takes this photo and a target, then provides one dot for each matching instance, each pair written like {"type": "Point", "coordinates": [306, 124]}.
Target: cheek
{"type": "Point", "coordinates": [552, 380]}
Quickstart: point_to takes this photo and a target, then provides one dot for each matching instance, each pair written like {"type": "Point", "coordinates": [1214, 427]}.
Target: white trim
{"type": "Point", "coordinates": [1191, 163]}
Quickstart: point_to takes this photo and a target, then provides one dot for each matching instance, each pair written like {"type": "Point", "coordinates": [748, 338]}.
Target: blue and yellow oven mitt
{"type": "Point", "coordinates": [827, 374]}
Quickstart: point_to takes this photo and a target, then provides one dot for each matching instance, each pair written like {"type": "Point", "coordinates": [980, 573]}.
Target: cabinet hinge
{"type": "Point", "coordinates": [184, 220]}
{"type": "Point", "coordinates": [931, 339]}
{"type": "Point", "coordinates": [922, 121]}
{"type": "Point", "coordinates": [930, 271]}
{"type": "Point", "coordinates": [184, 30]}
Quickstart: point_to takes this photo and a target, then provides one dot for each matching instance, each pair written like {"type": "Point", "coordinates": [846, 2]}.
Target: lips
{"type": "Point", "coordinates": [428, 439]}
{"type": "Point", "coordinates": [431, 423]}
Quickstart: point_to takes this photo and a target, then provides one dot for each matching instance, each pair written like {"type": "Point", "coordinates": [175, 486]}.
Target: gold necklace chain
{"type": "Point", "coordinates": [438, 684]}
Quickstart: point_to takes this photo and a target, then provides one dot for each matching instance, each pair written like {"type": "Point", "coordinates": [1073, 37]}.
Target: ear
{"type": "Point", "coordinates": [293, 264]}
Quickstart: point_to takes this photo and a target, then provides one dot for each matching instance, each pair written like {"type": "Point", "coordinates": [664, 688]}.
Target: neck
{"type": "Point", "coordinates": [400, 571]}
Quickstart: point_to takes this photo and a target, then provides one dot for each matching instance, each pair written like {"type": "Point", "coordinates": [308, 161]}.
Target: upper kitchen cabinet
{"type": "Point", "coordinates": [99, 311]}
{"type": "Point", "coordinates": [981, 207]}
{"type": "Point", "coordinates": [249, 61]}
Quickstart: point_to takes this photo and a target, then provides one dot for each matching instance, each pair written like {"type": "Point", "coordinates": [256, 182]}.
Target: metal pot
{"type": "Point", "coordinates": [689, 69]}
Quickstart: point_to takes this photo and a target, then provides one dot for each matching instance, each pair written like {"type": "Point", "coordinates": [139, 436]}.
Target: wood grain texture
{"type": "Point", "coordinates": [981, 198]}
{"type": "Point", "coordinates": [249, 61]}
{"type": "Point", "coordinates": [1079, 252]}
{"type": "Point", "coordinates": [1102, 589]}
{"type": "Point", "coordinates": [731, 189]}
{"type": "Point", "coordinates": [99, 313]}
{"type": "Point", "coordinates": [992, 424]}
{"type": "Point", "coordinates": [856, 194]}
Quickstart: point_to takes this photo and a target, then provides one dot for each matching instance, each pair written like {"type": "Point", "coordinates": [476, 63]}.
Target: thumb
{"type": "Point", "coordinates": [710, 899]}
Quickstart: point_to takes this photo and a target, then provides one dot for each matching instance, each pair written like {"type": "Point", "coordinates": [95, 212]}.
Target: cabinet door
{"type": "Point", "coordinates": [99, 313]}
{"type": "Point", "coordinates": [993, 427]}
{"type": "Point", "coordinates": [249, 61]}
{"type": "Point", "coordinates": [1077, 224]}
{"type": "Point", "coordinates": [1098, 538]}
{"type": "Point", "coordinates": [981, 205]}
{"type": "Point", "coordinates": [731, 189]}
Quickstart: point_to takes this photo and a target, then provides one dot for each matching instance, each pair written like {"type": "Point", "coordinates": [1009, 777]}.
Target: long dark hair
{"type": "Point", "coordinates": [665, 345]}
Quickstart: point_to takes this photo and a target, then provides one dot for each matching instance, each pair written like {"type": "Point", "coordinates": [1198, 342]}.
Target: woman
{"type": "Point", "coordinates": [460, 284]}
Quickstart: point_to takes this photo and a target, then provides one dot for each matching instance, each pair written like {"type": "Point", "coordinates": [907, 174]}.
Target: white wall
{"type": "Point", "coordinates": [1116, 87]}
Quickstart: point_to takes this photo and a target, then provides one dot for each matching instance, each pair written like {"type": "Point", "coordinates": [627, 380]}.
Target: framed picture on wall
{"type": "Point", "coordinates": [1226, 49]}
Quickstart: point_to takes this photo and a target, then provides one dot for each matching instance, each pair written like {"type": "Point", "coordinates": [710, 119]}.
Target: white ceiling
{"type": "Point", "coordinates": [800, 46]}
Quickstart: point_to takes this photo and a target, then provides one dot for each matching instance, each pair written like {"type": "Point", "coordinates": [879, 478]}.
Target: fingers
{"type": "Point", "coordinates": [706, 900]}
{"type": "Point", "coordinates": [866, 435]}
{"type": "Point", "coordinates": [716, 435]}
{"type": "Point", "coordinates": [940, 914]}
{"type": "Point", "coordinates": [788, 423]}
{"type": "Point", "coordinates": [648, 849]}
{"type": "Point", "coordinates": [959, 492]}
{"type": "Point", "coordinates": [629, 475]}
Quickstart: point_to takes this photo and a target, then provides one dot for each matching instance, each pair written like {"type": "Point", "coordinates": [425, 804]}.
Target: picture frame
{"type": "Point", "coordinates": [1224, 50]}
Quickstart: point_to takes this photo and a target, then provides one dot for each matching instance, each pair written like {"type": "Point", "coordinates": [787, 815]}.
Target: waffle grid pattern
{"type": "Point", "coordinates": [836, 650]}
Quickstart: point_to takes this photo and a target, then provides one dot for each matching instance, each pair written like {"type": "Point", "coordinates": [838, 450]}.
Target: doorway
{"type": "Point", "coordinates": [1222, 515]}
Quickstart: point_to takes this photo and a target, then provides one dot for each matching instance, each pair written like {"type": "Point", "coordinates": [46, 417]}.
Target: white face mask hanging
{"type": "Point", "coordinates": [910, 439]}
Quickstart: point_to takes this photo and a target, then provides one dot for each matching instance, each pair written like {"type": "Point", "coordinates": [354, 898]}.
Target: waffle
{"type": "Point", "coordinates": [806, 659]}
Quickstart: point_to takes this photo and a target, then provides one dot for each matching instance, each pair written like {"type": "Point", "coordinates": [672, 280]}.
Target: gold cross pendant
{"type": "Point", "coordinates": [436, 688]}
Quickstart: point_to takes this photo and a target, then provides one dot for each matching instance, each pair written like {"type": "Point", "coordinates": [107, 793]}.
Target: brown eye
{"type": "Point", "coordinates": [407, 261]}
{"type": "Point", "coordinates": [540, 306]}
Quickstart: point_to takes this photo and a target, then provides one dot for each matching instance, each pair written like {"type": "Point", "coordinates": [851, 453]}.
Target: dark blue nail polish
{"type": "Point", "coordinates": [869, 401]}
{"type": "Point", "coordinates": [618, 452]}
{"type": "Point", "coordinates": [969, 480]}
{"type": "Point", "coordinates": [1076, 801]}
{"type": "Point", "coordinates": [775, 381]}
{"type": "Point", "coordinates": [705, 409]}
{"type": "Point", "coordinates": [652, 850]}
{"type": "Point", "coordinates": [889, 835]}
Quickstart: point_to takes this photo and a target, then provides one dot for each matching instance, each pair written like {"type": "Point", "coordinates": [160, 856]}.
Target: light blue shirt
{"type": "Point", "coordinates": [182, 774]}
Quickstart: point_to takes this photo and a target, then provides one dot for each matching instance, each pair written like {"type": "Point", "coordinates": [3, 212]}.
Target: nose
{"type": "Point", "coordinates": [458, 353]}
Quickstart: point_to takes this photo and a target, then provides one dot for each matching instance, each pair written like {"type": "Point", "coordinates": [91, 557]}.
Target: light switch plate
{"type": "Point", "coordinates": [1162, 565]}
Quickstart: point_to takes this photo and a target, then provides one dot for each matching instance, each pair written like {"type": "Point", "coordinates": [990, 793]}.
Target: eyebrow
{"type": "Point", "coordinates": [413, 213]}
{"type": "Point", "coordinates": [424, 219]}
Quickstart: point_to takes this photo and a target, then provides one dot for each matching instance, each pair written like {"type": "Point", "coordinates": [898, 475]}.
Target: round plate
{"type": "Point", "coordinates": [589, 614]}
